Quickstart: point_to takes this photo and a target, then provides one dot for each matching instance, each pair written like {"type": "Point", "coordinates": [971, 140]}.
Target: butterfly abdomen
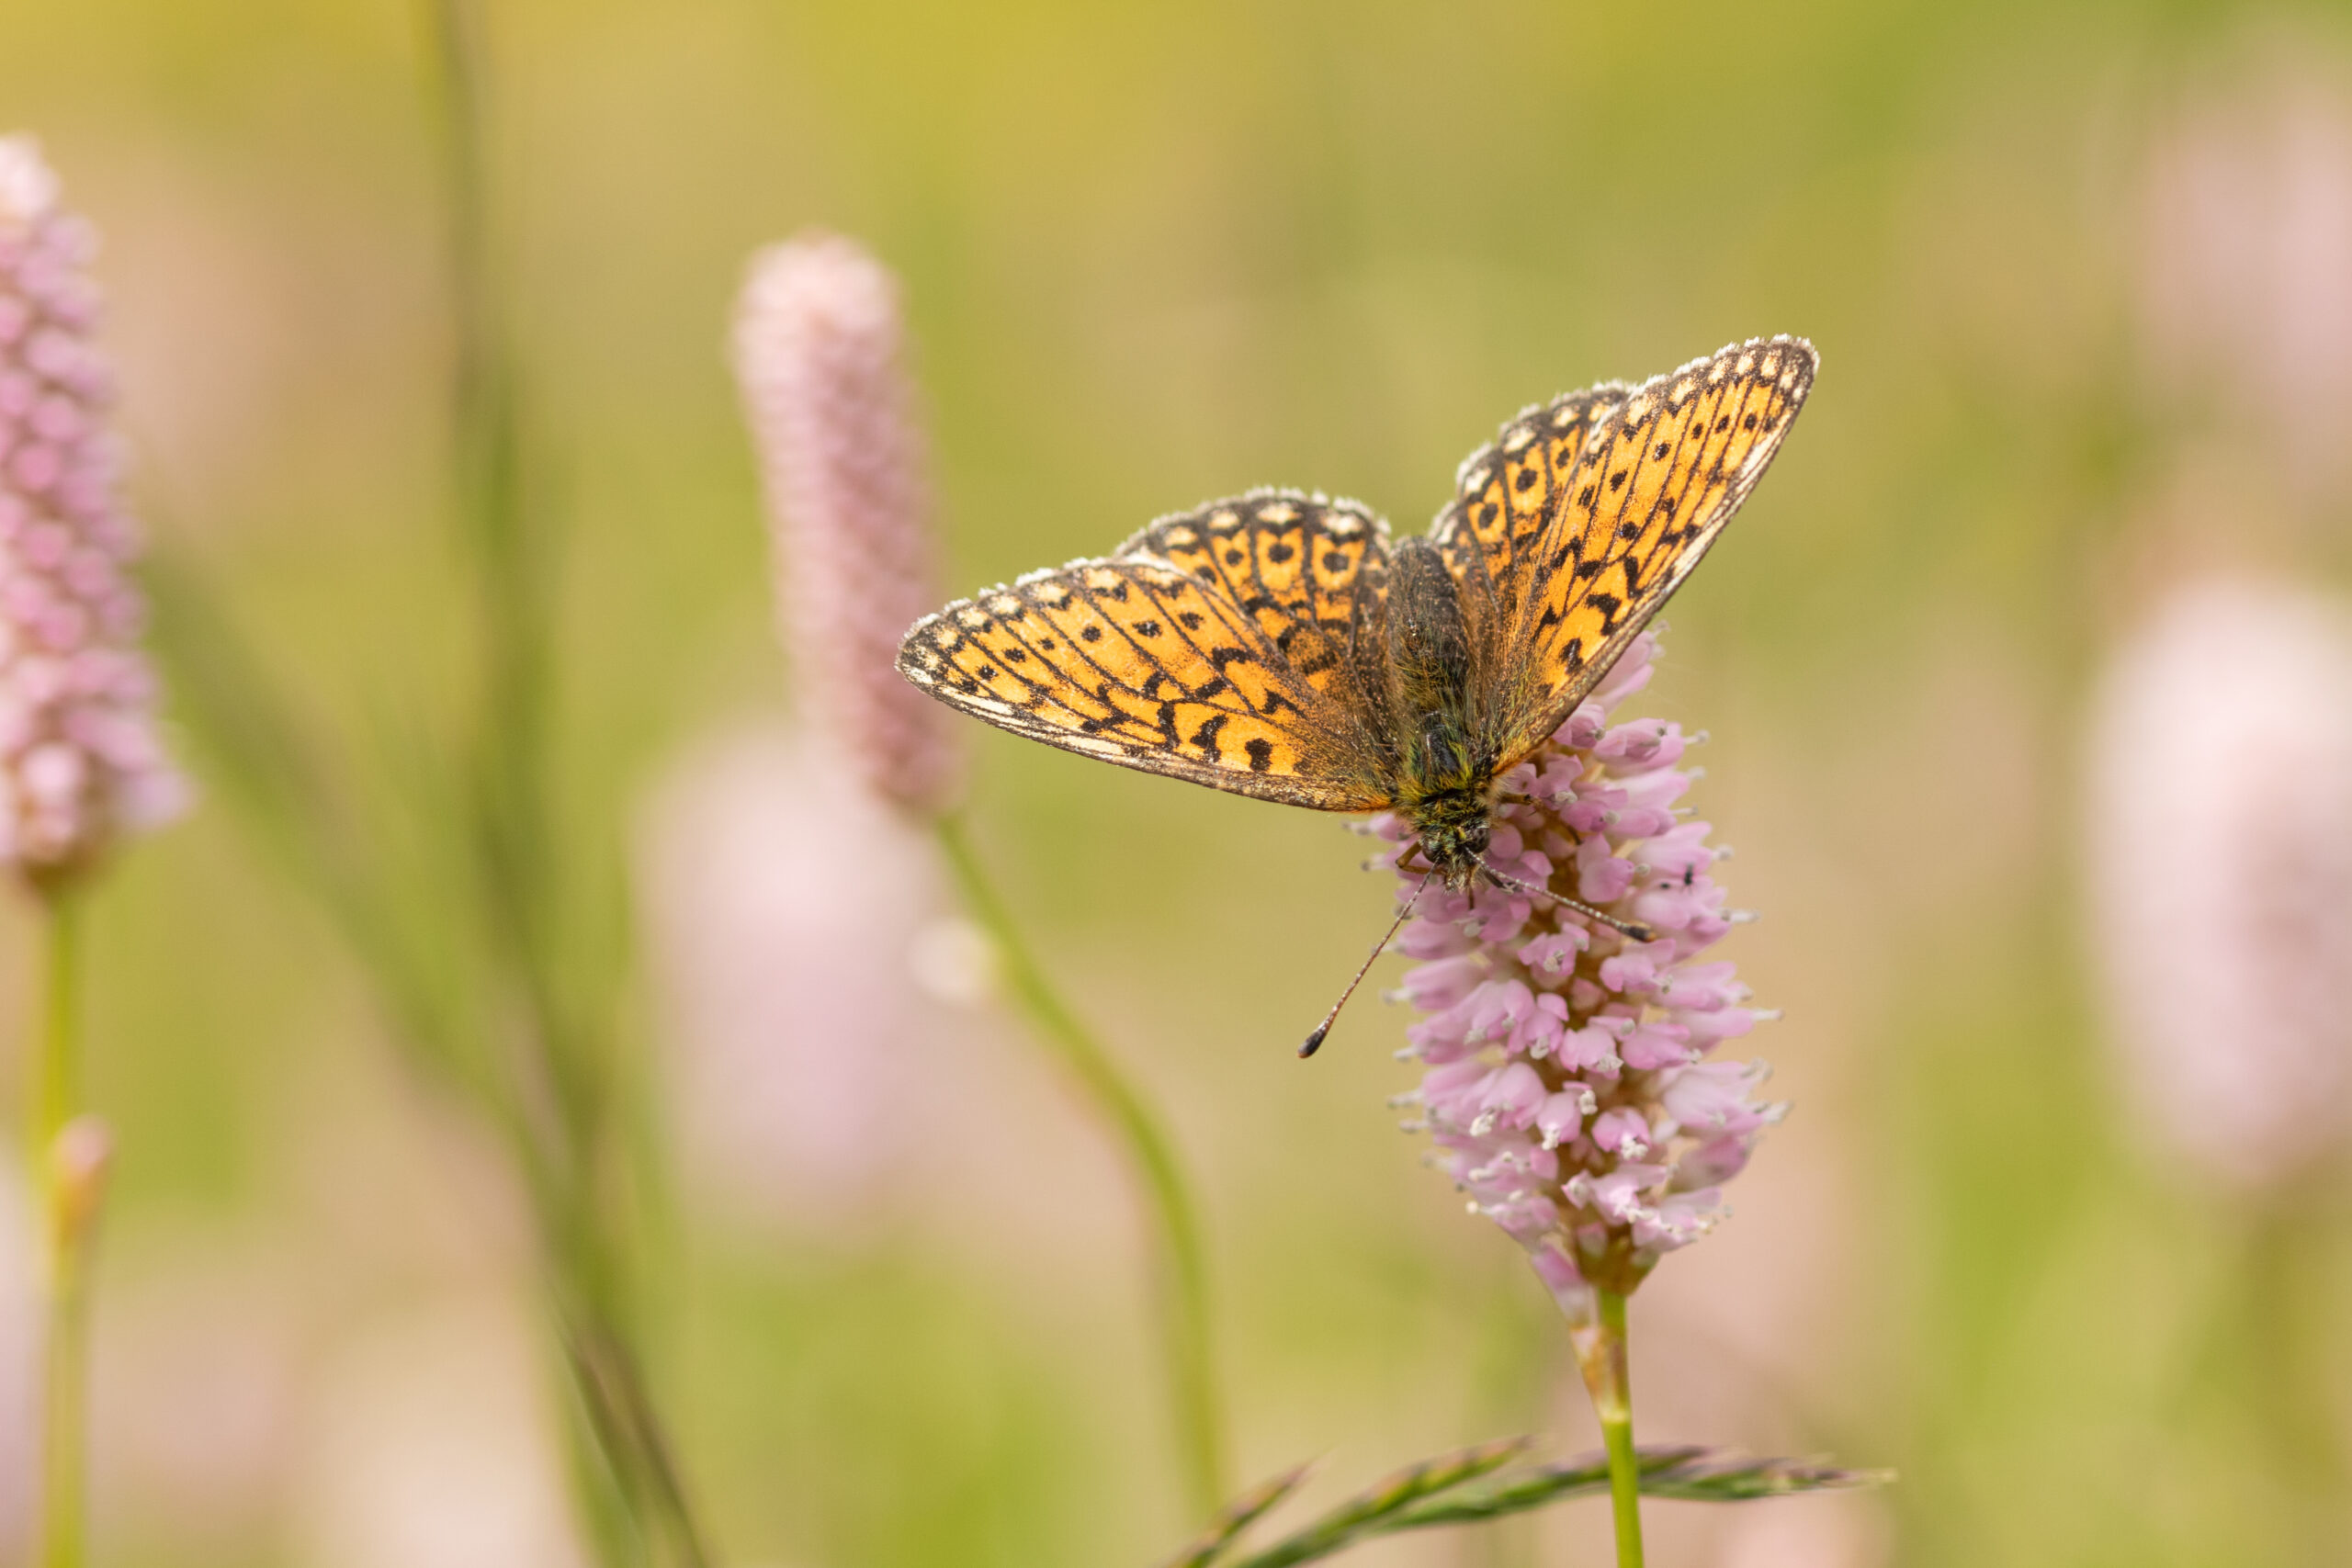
{"type": "Point", "coordinates": [1444, 772]}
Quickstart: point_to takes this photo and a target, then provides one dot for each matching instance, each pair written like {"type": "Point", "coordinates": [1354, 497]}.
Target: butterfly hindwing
{"type": "Point", "coordinates": [1223, 674]}
{"type": "Point", "coordinates": [1659, 471]}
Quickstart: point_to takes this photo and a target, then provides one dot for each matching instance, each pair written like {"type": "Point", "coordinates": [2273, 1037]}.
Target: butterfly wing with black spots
{"type": "Point", "coordinates": [1586, 513]}
{"type": "Point", "coordinates": [1236, 645]}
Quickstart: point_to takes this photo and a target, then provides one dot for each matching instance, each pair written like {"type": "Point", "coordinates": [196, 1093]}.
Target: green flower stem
{"type": "Point", "coordinates": [68, 1207]}
{"type": "Point", "coordinates": [1601, 1352]}
{"type": "Point", "coordinates": [57, 1096]}
{"type": "Point", "coordinates": [1183, 1293]}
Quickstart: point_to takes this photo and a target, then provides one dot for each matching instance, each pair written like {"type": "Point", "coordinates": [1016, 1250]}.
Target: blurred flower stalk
{"type": "Point", "coordinates": [2217, 807]}
{"type": "Point", "coordinates": [820, 355]}
{"type": "Point", "coordinates": [1567, 1082]}
{"type": "Point", "coordinates": [79, 764]}
{"type": "Point", "coordinates": [2220, 843]}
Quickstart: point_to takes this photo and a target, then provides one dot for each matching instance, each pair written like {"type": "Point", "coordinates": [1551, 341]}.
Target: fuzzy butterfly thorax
{"type": "Point", "coordinates": [1277, 644]}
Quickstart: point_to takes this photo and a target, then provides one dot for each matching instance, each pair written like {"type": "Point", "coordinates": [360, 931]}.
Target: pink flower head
{"type": "Point", "coordinates": [1567, 1082]}
{"type": "Point", "coordinates": [2221, 850]}
{"type": "Point", "coordinates": [820, 356]}
{"type": "Point", "coordinates": [80, 763]}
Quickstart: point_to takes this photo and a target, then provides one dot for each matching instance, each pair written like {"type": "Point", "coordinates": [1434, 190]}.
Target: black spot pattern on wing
{"type": "Point", "coordinates": [1636, 484]}
{"type": "Point", "coordinates": [1246, 644]}
{"type": "Point", "coordinates": [1245, 674]}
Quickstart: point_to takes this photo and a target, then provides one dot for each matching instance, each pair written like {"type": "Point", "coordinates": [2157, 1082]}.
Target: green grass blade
{"type": "Point", "coordinates": [1238, 1515]}
{"type": "Point", "coordinates": [1371, 1512]}
{"type": "Point", "coordinates": [1443, 1491]}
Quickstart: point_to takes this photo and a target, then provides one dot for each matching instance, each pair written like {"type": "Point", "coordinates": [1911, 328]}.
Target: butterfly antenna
{"type": "Point", "coordinates": [1314, 1041]}
{"type": "Point", "coordinates": [1634, 929]}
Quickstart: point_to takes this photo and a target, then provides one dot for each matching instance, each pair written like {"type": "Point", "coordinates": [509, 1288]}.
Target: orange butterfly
{"type": "Point", "coordinates": [1281, 645]}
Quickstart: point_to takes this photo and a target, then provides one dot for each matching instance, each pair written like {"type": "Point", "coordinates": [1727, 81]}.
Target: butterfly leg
{"type": "Point", "coordinates": [1632, 929]}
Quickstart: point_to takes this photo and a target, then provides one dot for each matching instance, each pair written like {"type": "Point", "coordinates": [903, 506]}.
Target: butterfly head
{"type": "Point", "coordinates": [1453, 827]}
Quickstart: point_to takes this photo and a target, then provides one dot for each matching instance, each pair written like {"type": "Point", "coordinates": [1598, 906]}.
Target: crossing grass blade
{"type": "Point", "coordinates": [1463, 1488]}
{"type": "Point", "coordinates": [1238, 1515]}
{"type": "Point", "coordinates": [1371, 1512]}
{"type": "Point", "coordinates": [1689, 1474]}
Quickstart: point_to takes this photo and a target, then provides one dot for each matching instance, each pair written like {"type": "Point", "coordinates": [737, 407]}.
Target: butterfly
{"type": "Point", "coordinates": [1282, 644]}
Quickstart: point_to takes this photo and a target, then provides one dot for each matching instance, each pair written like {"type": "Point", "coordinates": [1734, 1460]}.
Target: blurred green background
{"type": "Point", "coordinates": [1153, 255]}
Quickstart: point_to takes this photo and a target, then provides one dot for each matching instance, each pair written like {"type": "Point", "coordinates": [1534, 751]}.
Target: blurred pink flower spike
{"type": "Point", "coordinates": [806, 962]}
{"type": "Point", "coordinates": [2219, 838]}
{"type": "Point", "coordinates": [80, 763]}
{"type": "Point", "coordinates": [2247, 266]}
{"type": "Point", "coordinates": [820, 353]}
{"type": "Point", "coordinates": [1567, 1086]}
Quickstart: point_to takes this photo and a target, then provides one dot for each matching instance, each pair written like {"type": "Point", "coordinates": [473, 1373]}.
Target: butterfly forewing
{"type": "Point", "coordinates": [1492, 534]}
{"type": "Point", "coordinates": [1173, 659]}
{"type": "Point", "coordinates": [1658, 472]}
{"type": "Point", "coordinates": [1310, 574]}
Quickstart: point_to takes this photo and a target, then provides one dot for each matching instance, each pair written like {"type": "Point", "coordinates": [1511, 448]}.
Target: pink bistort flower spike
{"type": "Point", "coordinates": [80, 763]}
{"type": "Point", "coordinates": [819, 353]}
{"type": "Point", "coordinates": [2220, 839]}
{"type": "Point", "coordinates": [1569, 1083]}
{"type": "Point", "coordinates": [2246, 247]}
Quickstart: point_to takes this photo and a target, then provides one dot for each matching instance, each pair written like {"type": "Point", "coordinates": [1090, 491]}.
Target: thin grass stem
{"type": "Point", "coordinates": [1182, 1275]}
{"type": "Point", "coordinates": [558, 1108]}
